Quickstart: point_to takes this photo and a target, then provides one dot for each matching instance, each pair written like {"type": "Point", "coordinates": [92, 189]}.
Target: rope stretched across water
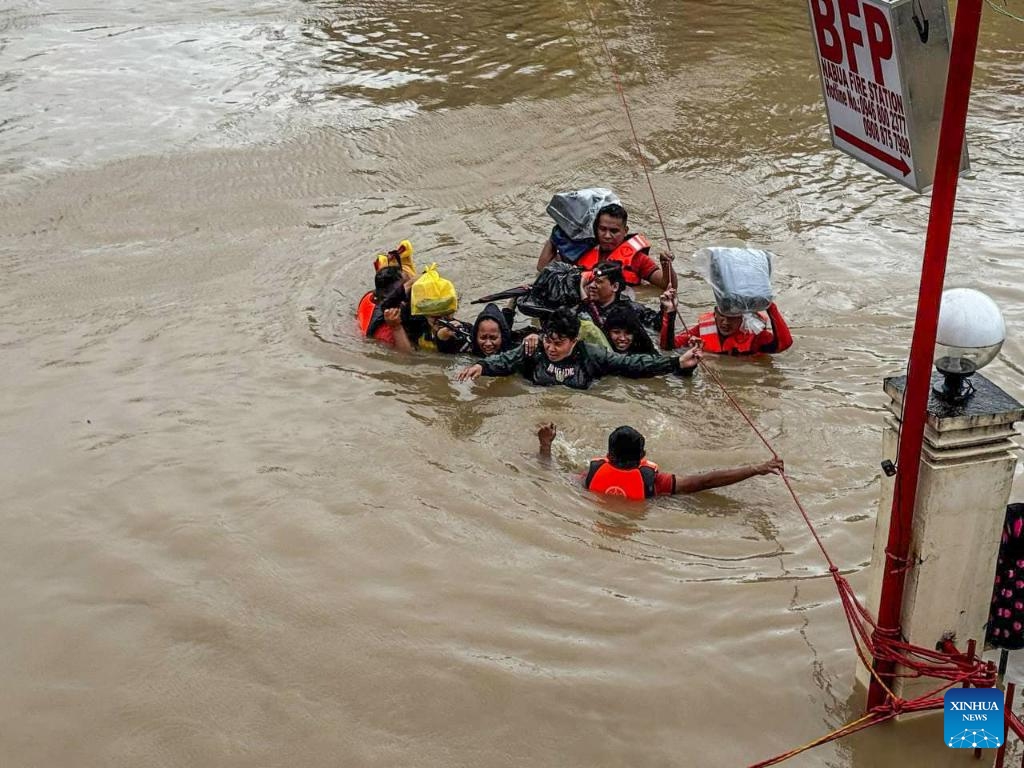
{"type": "Point", "coordinates": [870, 643]}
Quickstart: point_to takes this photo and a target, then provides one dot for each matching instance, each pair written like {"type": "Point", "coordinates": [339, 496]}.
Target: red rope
{"type": "Point", "coordinates": [785, 478]}
{"type": "Point", "coordinates": [858, 725]}
{"type": "Point", "coordinates": [629, 117]}
{"type": "Point", "coordinates": [869, 642]}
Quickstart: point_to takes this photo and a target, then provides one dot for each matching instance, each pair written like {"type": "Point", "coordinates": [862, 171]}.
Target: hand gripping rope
{"type": "Point", "coordinates": [870, 642]}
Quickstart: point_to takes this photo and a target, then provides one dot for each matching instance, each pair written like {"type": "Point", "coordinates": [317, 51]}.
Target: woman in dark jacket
{"type": "Point", "coordinates": [562, 359]}
{"type": "Point", "coordinates": [491, 332]}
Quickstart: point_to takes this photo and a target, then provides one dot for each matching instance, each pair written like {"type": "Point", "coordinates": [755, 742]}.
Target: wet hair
{"type": "Point", "coordinates": [613, 271]}
{"type": "Point", "coordinates": [625, 448]}
{"type": "Point", "coordinates": [563, 321]}
{"type": "Point", "coordinates": [622, 315]}
{"type": "Point", "coordinates": [388, 288]}
{"type": "Point", "coordinates": [614, 210]}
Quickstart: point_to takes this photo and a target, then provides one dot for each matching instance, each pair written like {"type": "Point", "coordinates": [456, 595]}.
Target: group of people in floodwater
{"type": "Point", "coordinates": [592, 327]}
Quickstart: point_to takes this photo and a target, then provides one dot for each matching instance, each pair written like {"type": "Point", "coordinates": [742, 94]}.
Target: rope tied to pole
{"type": "Point", "coordinates": [871, 642]}
{"type": "Point", "coordinates": [897, 563]}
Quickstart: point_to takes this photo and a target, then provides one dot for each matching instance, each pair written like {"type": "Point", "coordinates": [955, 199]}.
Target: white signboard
{"type": "Point", "coordinates": [873, 55]}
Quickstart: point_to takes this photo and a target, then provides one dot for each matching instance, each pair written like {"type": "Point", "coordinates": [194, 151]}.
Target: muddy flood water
{"type": "Point", "coordinates": [236, 534]}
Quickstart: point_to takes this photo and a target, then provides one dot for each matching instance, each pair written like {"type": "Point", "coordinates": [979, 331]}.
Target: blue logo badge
{"type": "Point", "coordinates": [973, 717]}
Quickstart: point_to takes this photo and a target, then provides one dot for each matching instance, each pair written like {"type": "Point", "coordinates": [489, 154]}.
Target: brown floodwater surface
{"type": "Point", "coordinates": [236, 534]}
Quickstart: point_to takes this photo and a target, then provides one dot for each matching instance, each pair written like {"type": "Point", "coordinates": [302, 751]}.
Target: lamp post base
{"type": "Point", "coordinates": [966, 472]}
{"type": "Point", "coordinates": [955, 389]}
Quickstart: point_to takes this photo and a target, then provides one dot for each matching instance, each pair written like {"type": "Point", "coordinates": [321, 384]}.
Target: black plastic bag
{"type": "Point", "coordinates": [557, 285]}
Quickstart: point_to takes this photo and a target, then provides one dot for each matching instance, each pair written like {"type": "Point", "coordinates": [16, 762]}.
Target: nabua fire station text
{"type": "Point", "coordinates": [872, 58]}
{"type": "Point", "coordinates": [881, 110]}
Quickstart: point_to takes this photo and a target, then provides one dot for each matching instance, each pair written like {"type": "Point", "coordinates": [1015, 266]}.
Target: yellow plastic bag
{"type": "Point", "coordinates": [433, 295]}
{"type": "Point", "coordinates": [400, 257]}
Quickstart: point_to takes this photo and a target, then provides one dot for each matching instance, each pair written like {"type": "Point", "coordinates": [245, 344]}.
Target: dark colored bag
{"type": "Point", "coordinates": [557, 285]}
{"type": "Point", "coordinates": [574, 212]}
{"type": "Point", "coordinates": [570, 250]}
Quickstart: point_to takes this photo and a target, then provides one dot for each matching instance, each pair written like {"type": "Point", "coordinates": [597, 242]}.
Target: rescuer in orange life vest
{"type": "Point", "coordinates": [724, 334]}
{"type": "Point", "coordinates": [614, 243]}
{"type": "Point", "coordinates": [626, 472]}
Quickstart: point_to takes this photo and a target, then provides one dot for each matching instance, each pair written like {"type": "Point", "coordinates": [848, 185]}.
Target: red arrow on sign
{"type": "Point", "coordinates": [896, 162]}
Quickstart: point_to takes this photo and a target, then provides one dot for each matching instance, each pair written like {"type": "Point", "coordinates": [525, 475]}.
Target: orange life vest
{"type": "Point", "coordinates": [624, 254]}
{"type": "Point", "coordinates": [739, 343]}
{"type": "Point", "coordinates": [365, 311]}
{"type": "Point", "coordinates": [636, 484]}
{"type": "Point", "coordinates": [368, 315]}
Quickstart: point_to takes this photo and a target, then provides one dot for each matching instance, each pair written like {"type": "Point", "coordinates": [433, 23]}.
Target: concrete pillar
{"type": "Point", "coordinates": [967, 466]}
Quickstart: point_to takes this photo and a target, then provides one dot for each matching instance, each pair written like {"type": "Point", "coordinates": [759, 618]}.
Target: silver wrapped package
{"type": "Point", "coordinates": [740, 277]}
{"type": "Point", "coordinates": [574, 212]}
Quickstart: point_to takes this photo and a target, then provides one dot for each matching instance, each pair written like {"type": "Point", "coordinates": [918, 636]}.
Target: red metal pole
{"type": "Point", "coordinates": [933, 272]}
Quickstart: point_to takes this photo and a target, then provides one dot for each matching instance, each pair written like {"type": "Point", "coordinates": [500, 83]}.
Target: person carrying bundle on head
{"type": "Point", "coordinates": [611, 240]}
{"type": "Point", "coordinates": [745, 319]}
{"type": "Point", "coordinates": [432, 304]}
{"type": "Point", "coordinates": [383, 313]}
{"type": "Point", "coordinates": [410, 314]}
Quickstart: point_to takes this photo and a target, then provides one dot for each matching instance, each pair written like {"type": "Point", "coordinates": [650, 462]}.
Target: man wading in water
{"type": "Point", "coordinates": [625, 470]}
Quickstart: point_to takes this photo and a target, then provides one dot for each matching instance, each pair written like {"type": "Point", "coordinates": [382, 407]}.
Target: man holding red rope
{"type": "Point", "coordinates": [616, 243]}
{"type": "Point", "coordinates": [727, 334]}
{"type": "Point", "coordinates": [625, 470]}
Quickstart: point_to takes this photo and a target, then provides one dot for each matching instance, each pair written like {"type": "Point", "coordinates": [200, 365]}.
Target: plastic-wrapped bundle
{"type": "Point", "coordinates": [557, 285]}
{"type": "Point", "coordinates": [740, 277]}
{"type": "Point", "coordinates": [570, 250]}
{"type": "Point", "coordinates": [574, 212]}
{"type": "Point", "coordinates": [432, 295]}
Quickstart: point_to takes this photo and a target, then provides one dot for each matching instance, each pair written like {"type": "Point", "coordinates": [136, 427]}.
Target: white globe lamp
{"type": "Point", "coordinates": [970, 334]}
